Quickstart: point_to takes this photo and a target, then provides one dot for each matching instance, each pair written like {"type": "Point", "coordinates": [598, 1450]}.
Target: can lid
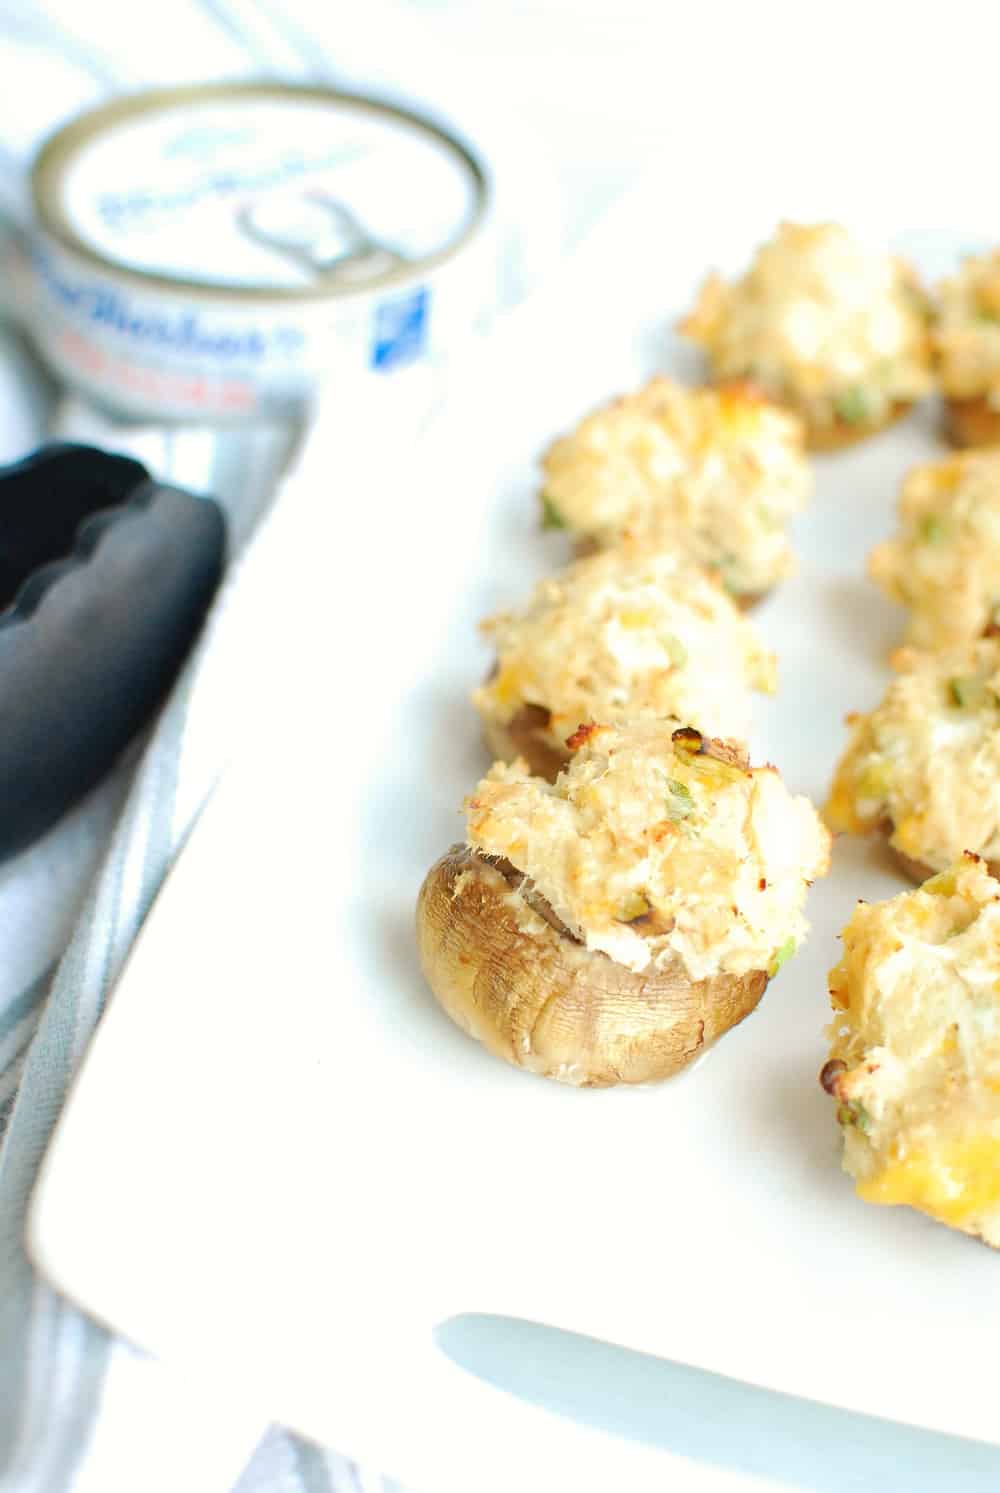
{"type": "Point", "coordinates": [253, 190]}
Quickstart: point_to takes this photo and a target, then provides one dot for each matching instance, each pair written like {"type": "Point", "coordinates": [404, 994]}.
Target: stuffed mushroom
{"type": "Point", "coordinates": [967, 347]}
{"type": "Point", "coordinates": [716, 473]}
{"type": "Point", "coordinates": [914, 1062]}
{"type": "Point", "coordinates": [630, 633]}
{"type": "Point", "coordinates": [605, 928]}
{"type": "Point", "coordinates": [944, 561]}
{"type": "Point", "coordinates": [923, 768]}
{"type": "Point", "coordinates": [836, 331]}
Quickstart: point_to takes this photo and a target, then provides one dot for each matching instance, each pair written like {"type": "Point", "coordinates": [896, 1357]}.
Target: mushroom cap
{"type": "Point", "coordinates": [512, 976]}
{"type": "Point", "coordinates": [971, 422]}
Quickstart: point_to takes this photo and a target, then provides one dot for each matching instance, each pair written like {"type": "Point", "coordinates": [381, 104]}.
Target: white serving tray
{"type": "Point", "coordinates": [282, 1157]}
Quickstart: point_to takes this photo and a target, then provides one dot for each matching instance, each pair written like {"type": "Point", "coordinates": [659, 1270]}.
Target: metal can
{"type": "Point", "coordinates": [214, 252]}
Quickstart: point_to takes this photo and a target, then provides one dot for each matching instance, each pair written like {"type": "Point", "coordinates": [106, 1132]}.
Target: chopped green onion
{"type": "Point", "coordinates": [875, 780]}
{"type": "Point", "coordinates": [853, 1113]}
{"type": "Point", "coordinates": [917, 299]}
{"type": "Point", "coordinates": [551, 517]}
{"type": "Point", "coordinates": [969, 693]}
{"type": "Point", "coordinates": [986, 307]}
{"type": "Point", "coordinates": [783, 954]}
{"type": "Point", "coordinates": [680, 804]}
{"type": "Point", "coordinates": [852, 406]}
{"type": "Point", "coordinates": [634, 906]}
{"type": "Point", "coordinates": [727, 568]}
{"type": "Point", "coordinates": [933, 528]}
{"type": "Point", "coordinates": [678, 653]}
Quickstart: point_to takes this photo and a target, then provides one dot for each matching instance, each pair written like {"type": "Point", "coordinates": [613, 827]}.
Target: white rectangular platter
{"type": "Point", "coordinates": [282, 1156]}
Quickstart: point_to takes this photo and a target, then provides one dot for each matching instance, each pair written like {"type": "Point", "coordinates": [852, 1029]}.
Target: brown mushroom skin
{"type": "Point", "coordinates": [525, 735]}
{"type": "Point", "coordinates": [971, 422]}
{"type": "Point", "coordinates": [747, 600]}
{"type": "Point", "coordinates": [536, 997]}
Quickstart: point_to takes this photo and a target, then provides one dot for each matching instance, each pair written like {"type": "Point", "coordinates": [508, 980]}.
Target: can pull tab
{"type": "Point", "coordinates": [320, 235]}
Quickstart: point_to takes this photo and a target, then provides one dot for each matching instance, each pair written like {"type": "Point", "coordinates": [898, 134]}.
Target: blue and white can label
{"type": "Point", "coordinates": [209, 252]}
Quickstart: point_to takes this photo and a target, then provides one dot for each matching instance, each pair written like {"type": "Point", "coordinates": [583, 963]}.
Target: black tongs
{"type": "Point", "coordinates": [105, 579]}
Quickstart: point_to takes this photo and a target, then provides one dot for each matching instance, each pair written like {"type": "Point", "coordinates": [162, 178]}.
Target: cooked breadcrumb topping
{"type": "Point", "coordinates": [654, 851]}
{"type": "Point", "coordinates": [821, 322]}
{"type": "Point", "coordinates": [915, 1049]}
{"type": "Point", "coordinates": [944, 561]}
{"type": "Point", "coordinates": [717, 472]}
{"type": "Point", "coordinates": [967, 330]}
{"type": "Point", "coordinates": [627, 633]}
{"type": "Point", "coordinates": [926, 761]}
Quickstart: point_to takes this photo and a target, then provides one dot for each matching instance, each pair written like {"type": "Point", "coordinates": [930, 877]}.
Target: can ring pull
{"type": "Point", "coordinates": [320, 234]}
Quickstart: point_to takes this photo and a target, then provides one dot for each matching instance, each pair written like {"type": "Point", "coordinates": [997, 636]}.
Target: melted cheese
{"type": "Point", "coordinates": [944, 562]}
{"type": "Point", "coordinates": [957, 1181]}
{"type": "Point", "coordinates": [717, 474]}
{"type": "Point", "coordinates": [917, 1027]}
{"type": "Point", "coordinates": [628, 633]}
{"type": "Point", "coordinates": [654, 853]}
{"type": "Point", "coordinates": [927, 759]}
{"type": "Point", "coordinates": [821, 322]}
